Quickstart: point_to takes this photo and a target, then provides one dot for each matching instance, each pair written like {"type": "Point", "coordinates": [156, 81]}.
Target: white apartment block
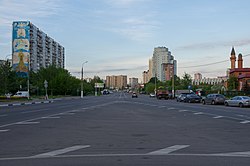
{"type": "Point", "coordinates": [42, 49]}
{"type": "Point", "coordinates": [133, 82]}
{"type": "Point", "coordinates": [162, 56]}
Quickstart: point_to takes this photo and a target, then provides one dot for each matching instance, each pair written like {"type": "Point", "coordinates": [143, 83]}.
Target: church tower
{"type": "Point", "coordinates": [233, 59]}
{"type": "Point", "coordinates": [240, 61]}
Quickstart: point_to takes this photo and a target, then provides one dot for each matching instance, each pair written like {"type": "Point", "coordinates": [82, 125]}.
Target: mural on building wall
{"type": "Point", "coordinates": [20, 47]}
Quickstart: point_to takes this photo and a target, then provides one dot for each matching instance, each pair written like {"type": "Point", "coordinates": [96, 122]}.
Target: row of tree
{"type": "Point", "coordinates": [60, 81]}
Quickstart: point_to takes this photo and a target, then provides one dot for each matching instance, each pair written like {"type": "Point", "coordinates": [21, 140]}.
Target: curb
{"type": "Point", "coordinates": [30, 103]}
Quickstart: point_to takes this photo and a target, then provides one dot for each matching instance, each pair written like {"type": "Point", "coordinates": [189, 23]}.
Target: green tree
{"type": "Point", "coordinates": [149, 87]}
{"type": "Point", "coordinates": [232, 83]}
{"type": "Point", "coordinates": [186, 81]}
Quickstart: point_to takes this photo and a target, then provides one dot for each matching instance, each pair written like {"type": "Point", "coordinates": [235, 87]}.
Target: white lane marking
{"type": "Point", "coordinates": [162, 106]}
{"type": "Point", "coordinates": [171, 108]}
{"type": "Point", "coordinates": [198, 113]}
{"type": "Point", "coordinates": [3, 115]}
{"type": "Point", "coordinates": [218, 117]}
{"type": "Point", "coordinates": [4, 105]}
{"type": "Point", "coordinates": [51, 117]}
{"type": "Point", "coordinates": [168, 150]}
{"type": "Point", "coordinates": [231, 154]}
{"type": "Point", "coordinates": [235, 154]}
{"type": "Point", "coordinates": [60, 151]}
{"type": "Point", "coordinates": [183, 110]}
{"type": "Point", "coordinates": [245, 122]}
{"type": "Point", "coordinates": [4, 130]}
{"type": "Point", "coordinates": [26, 123]}
{"type": "Point", "coordinates": [67, 113]}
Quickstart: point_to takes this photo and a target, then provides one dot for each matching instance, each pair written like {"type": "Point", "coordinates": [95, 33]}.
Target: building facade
{"type": "Point", "coordinates": [34, 49]}
{"type": "Point", "coordinates": [197, 76]}
{"type": "Point", "coordinates": [162, 56]}
{"type": "Point", "coordinates": [133, 82]}
{"type": "Point", "coordinates": [241, 73]}
{"type": "Point", "coordinates": [145, 77]}
{"type": "Point", "coordinates": [168, 70]}
{"type": "Point", "coordinates": [116, 82]}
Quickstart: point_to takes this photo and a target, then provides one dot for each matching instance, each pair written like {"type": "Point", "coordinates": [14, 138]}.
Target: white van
{"type": "Point", "coordinates": [22, 94]}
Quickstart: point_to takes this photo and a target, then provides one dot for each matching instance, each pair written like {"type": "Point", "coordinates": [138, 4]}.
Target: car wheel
{"type": "Point", "coordinates": [241, 105]}
{"type": "Point", "coordinates": [213, 102]}
{"type": "Point", "coordinates": [226, 103]}
{"type": "Point", "coordinates": [203, 102]}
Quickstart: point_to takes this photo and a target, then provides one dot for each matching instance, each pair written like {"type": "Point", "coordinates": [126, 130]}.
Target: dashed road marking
{"type": "Point", "coordinates": [245, 122]}
{"type": "Point", "coordinates": [198, 113]}
{"type": "Point", "coordinates": [60, 151]}
{"type": "Point", "coordinates": [1, 131]}
{"type": "Point", "coordinates": [171, 108]}
{"type": "Point", "coordinates": [183, 110]}
{"type": "Point", "coordinates": [26, 123]}
{"type": "Point", "coordinates": [51, 117]}
{"type": "Point", "coordinates": [218, 117]}
{"type": "Point", "coordinates": [3, 115]}
{"type": "Point", "coordinates": [168, 150]}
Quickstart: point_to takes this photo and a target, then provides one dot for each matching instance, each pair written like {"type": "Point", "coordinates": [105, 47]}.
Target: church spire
{"type": "Point", "coordinates": [233, 52]}
{"type": "Point", "coordinates": [233, 58]}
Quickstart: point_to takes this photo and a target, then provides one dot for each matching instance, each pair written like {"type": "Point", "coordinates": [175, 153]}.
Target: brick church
{"type": "Point", "coordinates": [243, 74]}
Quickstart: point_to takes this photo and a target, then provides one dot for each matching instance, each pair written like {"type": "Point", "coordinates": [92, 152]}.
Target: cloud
{"type": "Point", "coordinates": [15, 10]}
{"type": "Point", "coordinates": [123, 3]}
{"type": "Point", "coordinates": [210, 45]}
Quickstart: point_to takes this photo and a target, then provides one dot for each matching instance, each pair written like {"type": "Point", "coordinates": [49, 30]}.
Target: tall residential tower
{"type": "Point", "coordinates": [32, 49]}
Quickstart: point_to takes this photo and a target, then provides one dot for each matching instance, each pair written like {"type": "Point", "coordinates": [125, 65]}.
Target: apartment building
{"type": "Point", "coordinates": [160, 57]}
{"type": "Point", "coordinates": [133, 82]}
{"type": "Point", "coordinates": [116, 82]}
{"type": "Point", "coordinates": [32, 49]}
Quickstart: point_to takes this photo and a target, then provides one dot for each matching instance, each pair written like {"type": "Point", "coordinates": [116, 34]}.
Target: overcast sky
{"type": "Point", "coordinates": [119, 36]}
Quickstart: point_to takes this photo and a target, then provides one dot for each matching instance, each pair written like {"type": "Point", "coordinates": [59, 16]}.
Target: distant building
{"type": "Point", "coordinates": [133, 82]}
{"type": "Point", "coordinates": [116, 82]}
{"type": "Point", "coordinates": [34, 49]}
{"type": "Point", "coordinates": [197, 76]}
{"type": "Point", "coordinates": [145, 77]}
{"type": "Point", "coordinates": [150, 69]}
{"type": "Point", "coordinates": [162, 56]}
{"type": "Point", "coordinates": [209, 81]}
{"type": "Point", "coordinates": [168, 70]}
{"type": "Point", "coordinates": [242, 74]}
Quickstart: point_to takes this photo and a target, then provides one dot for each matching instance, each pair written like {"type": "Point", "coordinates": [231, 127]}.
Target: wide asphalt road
{"type": "Point", "coordinates": [119, 130]}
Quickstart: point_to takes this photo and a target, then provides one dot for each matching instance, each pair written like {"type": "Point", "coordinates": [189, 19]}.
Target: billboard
{"type": "Point", "coordinates": [20, 47]}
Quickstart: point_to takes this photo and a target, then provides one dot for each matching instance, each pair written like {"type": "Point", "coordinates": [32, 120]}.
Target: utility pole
{"type": "Point", "coordinates": [82, 79]}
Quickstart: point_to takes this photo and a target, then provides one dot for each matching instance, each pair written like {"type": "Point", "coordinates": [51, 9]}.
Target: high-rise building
{"type": "Point", "coordinates": [145, 77]}
{"type": "Point", "coordinates": [150, 70]}
{"type": "Point", "coordinates": [116, 82]}
{"type": "Point", "coordinates": [133, 82]}
{"type": "Point", "coordinates": [162, 56]}
{"type": "Point", "coordinates": [33, 49]}
{"type": "Point", "coordinates": [169, 70]}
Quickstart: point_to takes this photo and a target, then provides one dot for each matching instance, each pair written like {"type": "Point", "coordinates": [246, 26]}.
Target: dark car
{"type": "Point", "coordinates": [192, 98]}
{"type": "Point", "coordinates": [214, 99]}
{"type": "Point", "coordinates": [134, 95]}
{"type": "Point", "coordinates": [182, 97]}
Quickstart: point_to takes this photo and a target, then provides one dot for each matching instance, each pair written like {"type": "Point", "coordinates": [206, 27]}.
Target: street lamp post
{"type": "Point", "coordinates": [82, 79]}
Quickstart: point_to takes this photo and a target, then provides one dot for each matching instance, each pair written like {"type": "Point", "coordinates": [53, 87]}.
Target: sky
{"type": "Point", "coordinates": [119, 36]}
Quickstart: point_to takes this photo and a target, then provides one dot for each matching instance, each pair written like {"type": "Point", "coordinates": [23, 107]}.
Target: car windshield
{"type": "Point", "coordinates": [245, 97]}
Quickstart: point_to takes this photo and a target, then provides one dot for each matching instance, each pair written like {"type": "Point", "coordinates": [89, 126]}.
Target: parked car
{"type": "Point", "coordinates": [134, 95]}
{"type": "Point", "coordinates": [151, 95]}
{"type": "Point", "coordinates": [213, 99]}
{"type": "Point", "coordinates": [192, 98]}
{"type": "Point", "coordinates": [22, 94]}
{"type": "Point", "coordinates": [241, 101]}
{"type": "Point", "coordinates": [181, 97]}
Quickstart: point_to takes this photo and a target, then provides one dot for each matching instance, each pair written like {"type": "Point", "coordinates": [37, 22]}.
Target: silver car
{"type": "Point", "coordinates": [241, 101]}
